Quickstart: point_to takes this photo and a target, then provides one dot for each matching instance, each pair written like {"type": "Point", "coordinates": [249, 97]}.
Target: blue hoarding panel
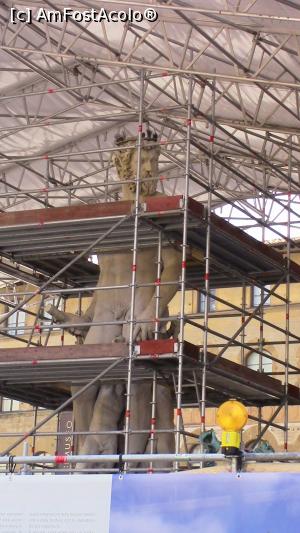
{"type": "Point", "coordinates": [206, 503]}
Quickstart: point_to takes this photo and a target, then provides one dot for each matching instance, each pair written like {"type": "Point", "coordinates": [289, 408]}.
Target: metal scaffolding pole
{"type": "Point", "coordinates": [68, 265]}
{"type": "Point", "coordinates": [243, 333]}
{"type": "Point", "coordinates": [183, 266]}
{"type": "Point", "coordinates": [287, 310]}
{"type": "Point", "coordinates": [207, 262]}
{"type": "Point", "coordinates": [261, 311]}
{"type": "Point", "coordinates": [62, 406]}
{"type": "Point", "coordinates": [134, 264]}
{"type": "Point", "coordinates": [153, 437]}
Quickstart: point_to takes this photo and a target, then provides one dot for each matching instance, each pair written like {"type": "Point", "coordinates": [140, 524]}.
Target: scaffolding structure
{"type": "Point", "coordinates": [216, 173]}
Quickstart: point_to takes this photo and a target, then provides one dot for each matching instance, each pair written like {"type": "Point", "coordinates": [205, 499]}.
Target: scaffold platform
{"type": "Point", "coordinates": [42, 375]}
{"type": "Point", "coordinates": [56, 234]}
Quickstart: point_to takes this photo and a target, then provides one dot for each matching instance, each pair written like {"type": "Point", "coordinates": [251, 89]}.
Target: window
{"type": "Point", "coordinates": [17, 322]}
{"type": "Point", "coordinates": [253, 362]}
{"type": "Point", "coordinates": [8, 405]}
{"type": "Point", "coordinates": [93, 259]}
{"type": "Point", "coordinates": [257, 296]}
{"type": "Point", "coordinates": [211, 301]}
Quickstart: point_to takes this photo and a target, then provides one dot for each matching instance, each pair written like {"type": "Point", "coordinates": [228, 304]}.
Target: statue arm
{"type": "Point", "coordinates": [71, 318]}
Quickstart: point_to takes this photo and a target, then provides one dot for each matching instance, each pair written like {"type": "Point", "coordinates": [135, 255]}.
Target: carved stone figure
{"type": "Point", "coordinates": [101, 408]}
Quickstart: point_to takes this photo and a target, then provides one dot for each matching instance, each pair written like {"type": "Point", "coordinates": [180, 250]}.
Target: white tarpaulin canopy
{"type": "Point", "coordinates": [66, 89]}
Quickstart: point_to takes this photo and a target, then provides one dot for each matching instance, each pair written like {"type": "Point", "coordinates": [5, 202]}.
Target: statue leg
{"type": "Point", "coordinates": [108, 409]}
{"type": "Point", "coordinates": [165, 420]}
{"type": "Point", "coordinates": [140, 417]}
{"type": "Point", "coordinates": [83, 406]}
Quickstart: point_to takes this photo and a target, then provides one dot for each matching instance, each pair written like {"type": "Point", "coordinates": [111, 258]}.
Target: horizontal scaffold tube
{"type": "Point", "coordinates": [137, 458]}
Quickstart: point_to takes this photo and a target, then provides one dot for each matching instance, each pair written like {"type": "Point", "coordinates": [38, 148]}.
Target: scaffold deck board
{"type": "Point", "coordinates": [57, 233]}
{"type": "Point", "coordinates": [42, 375]}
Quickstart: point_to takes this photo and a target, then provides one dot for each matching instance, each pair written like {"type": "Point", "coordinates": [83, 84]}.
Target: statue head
{"type": "Point", "coordinates": [126, 160]}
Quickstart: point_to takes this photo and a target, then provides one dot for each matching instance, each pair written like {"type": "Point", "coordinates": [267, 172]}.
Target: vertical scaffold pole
{"type": "Point", "coordinates": [183, 267]}
{"type": "Point", "coordinates": [287, 307]}
{"type": "Point", "coordinates": [261, 310]}
{"type": "Point", "coordinates": [243, 333]}
{"type": "Point", "coordinates": [207, 260]}
{"type": "Point", "coordinates": [156, 333]}
{"type": "Point", "coordinates": [134, 265]}
{"type": "Point", "coordinates": [35, 325]}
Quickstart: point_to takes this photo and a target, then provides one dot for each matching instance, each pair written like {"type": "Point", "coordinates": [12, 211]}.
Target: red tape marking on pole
{"type": "Point", "coordinates": [59, 459]}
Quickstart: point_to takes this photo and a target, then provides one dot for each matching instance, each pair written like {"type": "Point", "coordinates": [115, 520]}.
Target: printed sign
{"type": "Point", "coordinates": [56, 504]}
{"type": "Point", "coordinates": [144, 503]}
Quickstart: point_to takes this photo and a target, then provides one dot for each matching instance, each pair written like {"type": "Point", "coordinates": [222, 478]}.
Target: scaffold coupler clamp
{"type": "Point", "coordinates": [233, 453]}
{"type": "Point", "coordinates": [11, 464]}
{"type": "Point", "coordinates": [121, 465]}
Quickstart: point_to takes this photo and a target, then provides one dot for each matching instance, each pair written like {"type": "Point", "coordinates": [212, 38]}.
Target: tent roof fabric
{"type": "Point", "coordinates": [67, 88]}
